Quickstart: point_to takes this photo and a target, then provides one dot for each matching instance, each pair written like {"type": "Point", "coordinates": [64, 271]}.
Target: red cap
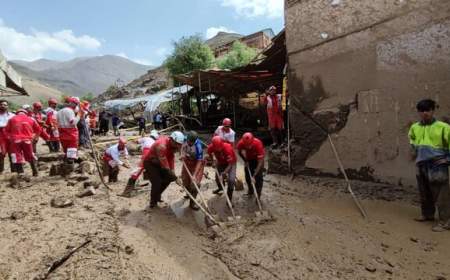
{"type": "Point", "coordinates": [226, 122]}
{"type": "Point", "coordinates": [52, 101]}
{"type": "Point", "coordinates": [37, 105]}
{"type": "Point", "coordinates": [247, 138]}
{"type": "Point", "coordinates": [217, 143]}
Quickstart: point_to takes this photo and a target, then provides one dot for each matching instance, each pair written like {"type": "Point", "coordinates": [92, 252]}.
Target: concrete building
{"type": "Point", "coordinates": [221, 44]}
{"type": "Point", "coordinates": [359, 67]}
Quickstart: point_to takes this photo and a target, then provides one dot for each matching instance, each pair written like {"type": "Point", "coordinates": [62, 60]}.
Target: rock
{"type": "Point", "coordinates": [439, 277]}
{"type": "Point", "coordinates": [388, 271]}
{"type": "Point", "coordinates": [86, 167]}
{"type": "Point", "coordinates": [94, 183]}
{"type": "Point", "coordinates": [371, 269]}
{"type": "Point", "coordinates": [17, 215]}
{"type": "Point", "coordinates": [87, 192]}
{"type": "Point", "coordinates": [413, 239]}
{"type": "Point", "coordinates": [61, 202]}
{"type": "Point", "coordinates": [71, 183]}
{"type": "Point", "coordinates": [129, 250]}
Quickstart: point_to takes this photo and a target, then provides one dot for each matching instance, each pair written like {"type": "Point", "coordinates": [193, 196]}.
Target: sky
{"type": "Point", "coordinates": [141, 30]}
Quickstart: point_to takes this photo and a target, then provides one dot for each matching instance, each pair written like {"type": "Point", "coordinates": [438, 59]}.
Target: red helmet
{"type": "Point", "coordinates": [247, 138]}
{"type": "Point", "coordinates": [52, 101]}
{"type": "Point", "coordinates": [73, 100]}
{"type": "Point", "coordinates": [37, 105]}
{"type": "Point", "coordinates": [122, 140]}
{"type": "Point", "coordinates": [217, 143]}
{"type": "Point", "coordinates": [226, 122]}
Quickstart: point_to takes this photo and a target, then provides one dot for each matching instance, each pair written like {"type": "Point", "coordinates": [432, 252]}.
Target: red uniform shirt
{"type": "Point", "coordinates": [163, 152]}
{"type": "Point", "coordinates": [225, 156]}
{"type": "Point", "coordinates": [22, 128]}
{"type": "Point", "coordinates": [52, 124]}
{"type": "Point", "coordinates": [254, 151]}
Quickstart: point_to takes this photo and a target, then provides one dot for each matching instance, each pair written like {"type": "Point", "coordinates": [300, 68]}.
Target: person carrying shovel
{"type": "Point", "coordinates": [251, 150]}
{"type": "Point", "coordinates": [192, 157]}
{"type": "Point", "coordinates": [146, 143]}
{"type": "Point", "coordinates": [226, 164]}
{"type": "Point", "coordinates": [112, 159]}
{"type": "Point", "coordinates": [160, 164]}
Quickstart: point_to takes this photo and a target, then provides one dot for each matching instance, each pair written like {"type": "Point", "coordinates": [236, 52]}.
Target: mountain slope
{"type": "Point", "coordinates": [82, 75]}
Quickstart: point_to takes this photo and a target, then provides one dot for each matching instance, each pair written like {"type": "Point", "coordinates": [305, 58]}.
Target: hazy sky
{"type": "Point", "coordinates": [141, 30]}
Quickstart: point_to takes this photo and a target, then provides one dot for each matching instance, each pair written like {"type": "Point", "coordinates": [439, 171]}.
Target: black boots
{"type": "Point", "coordinates": [33, 165]}
{"type": "Point", "coordinates": [2, 164]}
{"type": "Point", "coordinates": [18, 168]}
{"type": "Point", "coordinates": [113, 174]}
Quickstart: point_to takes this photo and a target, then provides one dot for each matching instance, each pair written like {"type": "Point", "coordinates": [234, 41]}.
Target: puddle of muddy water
{"type": "Point", "coordinates": [184, 212]}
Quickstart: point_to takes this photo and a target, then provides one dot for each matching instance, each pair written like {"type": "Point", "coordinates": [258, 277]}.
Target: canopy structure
{"type": "Point", "coordinates": [266, 70]}
{"type": "Point", "coordinates": [10, 80]}
{"type": "Point", "coordinates": [150, 102]}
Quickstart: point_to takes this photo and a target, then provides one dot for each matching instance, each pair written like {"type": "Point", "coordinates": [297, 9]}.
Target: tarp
{"type": "Point", "coordinates": [151, 102]}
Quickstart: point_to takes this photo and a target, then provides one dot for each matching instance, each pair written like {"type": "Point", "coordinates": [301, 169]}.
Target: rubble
{"type": "Point", "coordinates": [61, 202]}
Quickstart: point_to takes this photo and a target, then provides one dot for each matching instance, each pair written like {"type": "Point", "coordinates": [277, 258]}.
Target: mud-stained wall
{"type": "Point", "coordinates": [359, 67]}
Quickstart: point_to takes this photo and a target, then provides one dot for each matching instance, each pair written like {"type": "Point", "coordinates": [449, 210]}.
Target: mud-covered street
{"type": "Point", "coordinates": [317, 233]}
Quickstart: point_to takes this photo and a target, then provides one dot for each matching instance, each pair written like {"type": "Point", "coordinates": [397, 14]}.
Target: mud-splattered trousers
{"type": "Point", "coordinates": [434, 189]}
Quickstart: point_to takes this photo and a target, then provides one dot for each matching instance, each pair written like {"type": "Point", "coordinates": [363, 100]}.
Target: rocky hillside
{"type": "Point", "coordinates": [153, 81]}
{"type": "Point", "coordinates": [81, 75]}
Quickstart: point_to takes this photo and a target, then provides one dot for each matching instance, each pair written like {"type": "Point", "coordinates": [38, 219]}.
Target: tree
{"type": "Point", "coordinates": [87, 97]}
{"type": "Point", "coordinates": [240, 55]}
{"type": "Point", "coordinates": [189, 54]}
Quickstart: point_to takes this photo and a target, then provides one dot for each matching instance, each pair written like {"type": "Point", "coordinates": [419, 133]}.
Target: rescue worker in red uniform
{"type": "Point", "coordinates": [226, 164]}
{"type": "Point", "coordinates": [68, 132]}
{"type": "Point", "coordinates": [275, 115]}
{"type": "Point", "coordinates": [112, 160]}
{"type": "Point", "coordinates": [36, 114]}
{"type": "Point", "coordinates": [51, 125]}
{"type": "Point", "coordinates": [251, 150]}
{"type": "Point", "coordinates": [146, 143]}
{"type": "Point", "coordinates": [160, 164]}
{"type": "Point", "coordinates": [22, 129]}
{"type": "Point", "coordinates": [4, 140]}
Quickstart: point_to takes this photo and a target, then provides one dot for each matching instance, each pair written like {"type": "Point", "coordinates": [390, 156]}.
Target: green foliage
{"type": "Point", "coordinates": [12, 106]}
{"type": "Point", "coordinates": [189, 54]}
{"type": "Point", "coordinates": [240, 55]}
{"type": "Point", "coordinates": [87, 97]}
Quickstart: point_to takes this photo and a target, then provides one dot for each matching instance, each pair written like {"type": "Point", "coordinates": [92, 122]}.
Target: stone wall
{"type": "Point", "coordinates": [359, 67]}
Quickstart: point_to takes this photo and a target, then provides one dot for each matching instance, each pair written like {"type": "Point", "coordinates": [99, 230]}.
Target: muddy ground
{"type": "Point", "coordinates": [317, 233]}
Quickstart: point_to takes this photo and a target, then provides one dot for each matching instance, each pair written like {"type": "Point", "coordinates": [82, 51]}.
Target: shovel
{"type": "Point", "coordinates": [261, 214]}
{"type": "Point", "coordinates": [214, 221]}
{"type": "Point", "coordinates": [198, 191]}
{"type": "Point", "coordinates": [230, 205]}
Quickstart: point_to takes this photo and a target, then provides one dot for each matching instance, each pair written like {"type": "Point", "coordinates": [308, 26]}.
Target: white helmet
{"type": "Point", "coordinates": [178, 137]}
{"type": "Point", "coordinates": [155, 134]}
{"type": "Point", "coordinates": [26, 106]}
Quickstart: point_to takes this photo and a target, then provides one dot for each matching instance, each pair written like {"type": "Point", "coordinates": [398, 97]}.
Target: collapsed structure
{"type": "Point", "coordinates": [359, 67]}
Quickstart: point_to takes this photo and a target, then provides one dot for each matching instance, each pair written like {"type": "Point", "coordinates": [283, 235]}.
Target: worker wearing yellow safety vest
{"type": "Point", "coordinates": [430, 143]}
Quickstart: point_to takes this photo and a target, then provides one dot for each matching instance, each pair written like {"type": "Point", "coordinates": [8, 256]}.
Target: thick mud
{"type": "Point", "coordinates": [317, 233]}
